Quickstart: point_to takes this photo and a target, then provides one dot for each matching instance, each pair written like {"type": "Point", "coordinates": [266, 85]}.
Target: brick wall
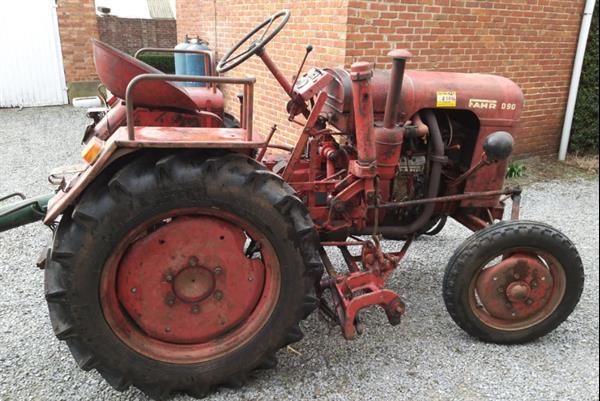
{"type": "Point", "coordinates": [130, 34]}
{"type": "Point", "coordinates": [77, 26]}
{"type": "Point", "coordinates": [532, 43]}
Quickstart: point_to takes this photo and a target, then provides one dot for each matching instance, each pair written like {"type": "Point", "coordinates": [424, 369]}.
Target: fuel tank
{"type": "Point", "coordinates": [495, 100]}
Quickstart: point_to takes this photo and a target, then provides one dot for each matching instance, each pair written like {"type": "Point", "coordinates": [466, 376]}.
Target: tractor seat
{"type": "Point", "coordinates": [116, 69]}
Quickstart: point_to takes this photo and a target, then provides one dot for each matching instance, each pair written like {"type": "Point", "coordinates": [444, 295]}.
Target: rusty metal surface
{"type": "Point", "coordinates": [116, 70]}
{"type": "Point", "coordinates": [419, 91]}
{"type": "Point", "coordinates": [186, 292]}
{"type": "Point", "coordinates": [173, 329]}
{"type": "Point", "coordinates": [187, 137]}
{"type": "Point", "coordinates": [519, 291]}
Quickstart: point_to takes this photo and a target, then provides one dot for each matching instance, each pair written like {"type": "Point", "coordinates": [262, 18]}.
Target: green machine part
{"type": "Point", "coordinates": [23, 212]}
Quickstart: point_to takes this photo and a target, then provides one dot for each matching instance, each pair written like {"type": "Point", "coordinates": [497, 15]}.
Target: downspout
{"type": "Point", "coordinates": [584, 31]}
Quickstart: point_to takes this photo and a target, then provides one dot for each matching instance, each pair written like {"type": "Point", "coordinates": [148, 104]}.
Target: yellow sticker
{"type": "Point", "coordinates": [446, 99]}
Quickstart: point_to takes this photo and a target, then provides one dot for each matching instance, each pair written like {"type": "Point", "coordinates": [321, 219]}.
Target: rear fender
{"type": "Point", "coordinates": [172, 138]}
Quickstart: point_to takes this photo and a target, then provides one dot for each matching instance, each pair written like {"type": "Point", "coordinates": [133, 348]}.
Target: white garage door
{"type": "Point", "coordinates": [31, 67]}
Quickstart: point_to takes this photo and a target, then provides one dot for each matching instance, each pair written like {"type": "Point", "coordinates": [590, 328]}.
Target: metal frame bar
{"type": "Point", "coordinates": [248, 83]}
{"type": "Point", "coordinates": [450, 198]}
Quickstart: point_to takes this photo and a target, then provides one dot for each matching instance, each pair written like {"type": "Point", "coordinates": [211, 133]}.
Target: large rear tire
{"type": "Point", "coordinates": [513, 282]}
{"type": "Point", "coordinates": [137, 235]}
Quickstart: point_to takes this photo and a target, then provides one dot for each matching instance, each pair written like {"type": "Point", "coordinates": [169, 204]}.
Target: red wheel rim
{"type": "Point", "coordinates": [185, 287]}
{"type": "Point", "coordinates": [521, 290]}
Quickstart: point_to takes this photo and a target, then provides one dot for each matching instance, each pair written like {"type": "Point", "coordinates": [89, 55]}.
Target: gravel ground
{"type": "Point", "coordinates": [426, 357]}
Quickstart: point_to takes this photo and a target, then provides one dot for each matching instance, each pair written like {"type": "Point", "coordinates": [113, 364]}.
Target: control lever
{"type": "Point", "coordinates": [309, 49]}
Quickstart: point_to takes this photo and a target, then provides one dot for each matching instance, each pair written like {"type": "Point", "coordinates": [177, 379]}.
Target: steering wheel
{"type": "Point", "coordinates": [230, 61]}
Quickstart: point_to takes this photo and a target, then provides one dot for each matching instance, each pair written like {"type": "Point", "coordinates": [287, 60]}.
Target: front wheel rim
{"type": "Point", "coordinates": [520, 291]}
{"type": "Point", "coordinates": [204, 300]}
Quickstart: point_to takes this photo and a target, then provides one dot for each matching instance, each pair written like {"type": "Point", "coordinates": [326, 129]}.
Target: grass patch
{"type": "Point", "coordinates": [548, 168]}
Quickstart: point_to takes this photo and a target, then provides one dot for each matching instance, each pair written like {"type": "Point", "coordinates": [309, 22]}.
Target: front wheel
{"type": "Point", "coordinates": [513, 282]}
{"type": "Point", "coordinates": [181, 272]}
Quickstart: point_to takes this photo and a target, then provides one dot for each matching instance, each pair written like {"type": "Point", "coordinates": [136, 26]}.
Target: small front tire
{"type": "Point", "coordinates": [513, 282]}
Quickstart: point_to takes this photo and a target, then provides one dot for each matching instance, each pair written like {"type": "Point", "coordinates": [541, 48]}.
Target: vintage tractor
{"type": "Point", "coordinates": [183, 258]}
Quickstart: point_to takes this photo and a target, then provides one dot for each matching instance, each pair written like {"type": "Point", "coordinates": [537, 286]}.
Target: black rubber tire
{"type": "Point", "coordinates": [436, 225]}
{"type": "Point", "coordinates": [489, 242]}
{"type": "Point", "coordinates": [151, 184]}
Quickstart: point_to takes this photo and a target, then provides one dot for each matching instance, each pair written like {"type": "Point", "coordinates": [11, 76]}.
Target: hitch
{"type": "Point", "coordinates": [358, 288]}
{"type": "Point", "coordinates": [25, 211]}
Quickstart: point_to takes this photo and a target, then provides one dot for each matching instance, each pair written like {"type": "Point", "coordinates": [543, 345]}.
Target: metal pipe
{"type": "Point", "coordinates": [584, 31]}
{"type": "Point", "coordinates": [433, 189]}
{"type": "Point", "coordinates": [287, 87]}
{"type": "Point", "coordinates": [24, 212]}
{"type": "Point", "coordinates": [399, 58]}
{"type": "Point", "coordinates": [450, 198]}
{"type": "Point", "coordinates": [361, 74]}
{"type": "Point", "coordinates": [248, 81]}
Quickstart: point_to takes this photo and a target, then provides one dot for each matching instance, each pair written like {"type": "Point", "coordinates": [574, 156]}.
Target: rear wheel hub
{"type": "Point", "coordinates": [193, 284]}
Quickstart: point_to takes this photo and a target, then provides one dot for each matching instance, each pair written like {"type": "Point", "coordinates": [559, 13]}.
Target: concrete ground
{"type": "Point", "coordinates": [426, 357]}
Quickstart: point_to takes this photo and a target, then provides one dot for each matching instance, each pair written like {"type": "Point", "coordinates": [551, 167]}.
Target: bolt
{"type": "Point", "coordinates": [250, 278]}
{"type": "Point", "coordinates": [218, 270]}
{"type": "Point", "coordinates": [170, 299]}
{"type": "Point", "coordinates": [218, 295]}
{"type": "Point", "coordinates": [222, 322]}
{"type": "Point", "coordinates": [495, 278]}
{"type": "Point", "coordinates": [168, 329]}
{"type": "Point", "coordinates": [500, 289]}
{"type": "Point", "coordinates": [195, 309]}
{"type": "Point", "coordinates": [193, 261]}
{"type": "Point", "coordinates": [517, 276]}
{"type": "Point", "coordinates": [169, 277]}
{"type": "Point", "coordinates": [513, 314]}
{"type": "Point", "coordinates": [543, 278]}
{"type": "Point", "coordinates": [529, 301]}
{"type": "Point", "coordinates": [134, 290]}
{"type": "Point", "coordinates": [534, 284]}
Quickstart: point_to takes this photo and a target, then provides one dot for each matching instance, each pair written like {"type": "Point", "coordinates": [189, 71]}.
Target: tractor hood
{"type": "Point", "coordinates": [493, 99]}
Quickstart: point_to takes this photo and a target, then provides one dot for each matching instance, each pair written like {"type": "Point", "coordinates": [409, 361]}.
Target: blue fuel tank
{"type": "Point", "coordinates": [195, 62]}
{"type": "Point", "coordinates": [180, 60]}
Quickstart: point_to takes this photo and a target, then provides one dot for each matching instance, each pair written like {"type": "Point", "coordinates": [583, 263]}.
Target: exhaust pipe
{"type": "Point", "coordinates": [399, 58]}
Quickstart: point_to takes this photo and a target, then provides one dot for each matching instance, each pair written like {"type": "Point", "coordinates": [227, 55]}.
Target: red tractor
{"type": "Point", "coordinates": [183, 258]}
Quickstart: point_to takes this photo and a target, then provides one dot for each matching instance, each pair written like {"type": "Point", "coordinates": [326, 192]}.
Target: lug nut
{"type": "Point", "coordinates": [517, 276]}
{"type": "Point", "coordinates": [218, 295]}
{"type": "Point", "coordinates": [218, 270]}
{"type": "Point", "coordinates": [134, 290]}
{"type": "Point", "coordinates": [250, 278]}
{"type": "Point", "coordinates": [170, 299]}
{"type": "Point", "coordinates": [500, 289]}
{"type": "Point", "coordinates": [193, 261]}
{"type": "Point", "coordinates": [169, 278]}
{"type": "Point", "coordinates": [195, 309]}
